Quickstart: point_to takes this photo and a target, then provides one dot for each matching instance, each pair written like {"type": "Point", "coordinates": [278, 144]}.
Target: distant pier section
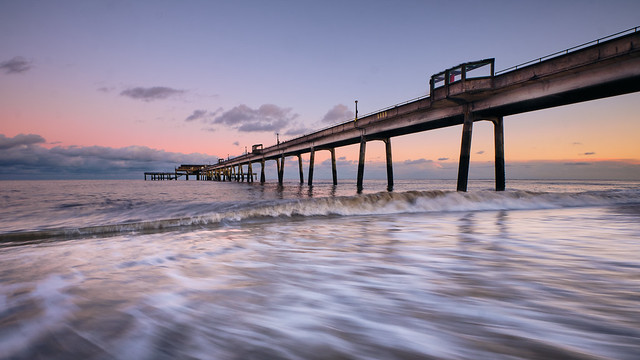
{"type": "Point", "coordinates": [182, 170]}
{"type": "Point", "coordinates": [460, 95]}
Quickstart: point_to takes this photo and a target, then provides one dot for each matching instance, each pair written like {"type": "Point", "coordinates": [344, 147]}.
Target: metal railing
{"type": "Point", "coordinates": [571, 49]}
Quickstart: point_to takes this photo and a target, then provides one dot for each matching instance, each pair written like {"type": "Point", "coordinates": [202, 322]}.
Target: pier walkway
{"type": "Point", "coordinates": [462, 95]}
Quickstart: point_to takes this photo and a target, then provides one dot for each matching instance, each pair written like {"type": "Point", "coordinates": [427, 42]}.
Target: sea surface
{"type": "Point", "coordinates": [227, 270]}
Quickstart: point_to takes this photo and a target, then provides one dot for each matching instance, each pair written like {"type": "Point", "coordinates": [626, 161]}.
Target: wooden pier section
{"type": "Point", "coordinates": [462, 95]}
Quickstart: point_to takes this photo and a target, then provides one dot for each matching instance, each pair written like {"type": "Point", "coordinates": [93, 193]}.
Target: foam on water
{"type": "Point", "coordinates": [367, 204]}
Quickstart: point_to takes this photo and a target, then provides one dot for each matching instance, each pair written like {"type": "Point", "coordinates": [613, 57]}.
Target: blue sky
{"type": "Point", "coordinates": [202, 79]}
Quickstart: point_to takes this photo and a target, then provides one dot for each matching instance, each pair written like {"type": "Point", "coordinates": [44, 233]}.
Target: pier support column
{"type": "Point", "coordinates": [387, 146]}
{"type": "Point", "coordinates": [250, 175]}
{"type": "Point", "coordinates": [465, 151]}
{"type": "Point", "coordinates": [334, 171]}
{"type": "Point", "coordinates": [312, 156]}
{"type": "Point", "coordinates": [498, 135]}
{"type": "Point", "coordinates": [262, 178]}
{"type": "Point", "coordinates": [363, 148]}
{"type": "Point", "coordinates": [281, 170]}
{"type": "Point", "coordinates": [300, 168]}
{"type": "Point", "coordinates": [241, 178]}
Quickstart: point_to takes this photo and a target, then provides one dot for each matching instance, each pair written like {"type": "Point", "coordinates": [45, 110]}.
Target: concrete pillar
{"type": "Point", "coordinates": [465, 151]}
{"type": "Point", "coordinates": [498, 135]}
{"type": "Point", "coordinates": [334, 171]}
{"type": "Point", "coordinates": [281, 170]}
{"type": "Point", "coordinates": [312, 156]}
{"type": "Point", "coordinates": [241, 173]}
{"type": "Point", "coordinates": [262, 178]}
{"type": "Point", "coordinates": [387, 145]}
{"type": "Point", "coordinates": [300, 169]}
{"type": "Point", "coordinates": [363, 147]}
{"type": "Point", "coordinates": [250, 175]}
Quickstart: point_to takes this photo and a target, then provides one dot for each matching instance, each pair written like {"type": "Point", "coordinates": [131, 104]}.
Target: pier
{"type": "Point", "coordinates": [460, 95]}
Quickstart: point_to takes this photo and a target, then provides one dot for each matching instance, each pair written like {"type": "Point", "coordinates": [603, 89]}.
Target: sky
{"type": "Point", "coordinates": [110, 89]}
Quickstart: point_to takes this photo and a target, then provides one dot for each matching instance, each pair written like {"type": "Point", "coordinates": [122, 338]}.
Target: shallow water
{"type": "Point", "coordinates": [544, 270]}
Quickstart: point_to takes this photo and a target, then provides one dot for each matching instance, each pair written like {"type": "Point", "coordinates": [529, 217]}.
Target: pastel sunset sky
{"type": "Point", "coordinates": [95, 89]}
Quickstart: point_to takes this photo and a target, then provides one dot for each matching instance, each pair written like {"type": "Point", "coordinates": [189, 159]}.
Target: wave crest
{"type": "Point", "coordinates": [368, 204]}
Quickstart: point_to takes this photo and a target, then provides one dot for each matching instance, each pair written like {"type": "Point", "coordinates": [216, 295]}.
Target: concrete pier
{"type": "Point", "coordinates": [334, 170]}
{"type": "Point", "coordinates": [387, 146]}
{"type": "Point", "coordinates": [312, 156]}
{"type": "Point", "coordinates": [460, 96]}
{"type": "Point", "coordinates": [361, 159]}
{"type": "Point", "coordinates": [300, 169]}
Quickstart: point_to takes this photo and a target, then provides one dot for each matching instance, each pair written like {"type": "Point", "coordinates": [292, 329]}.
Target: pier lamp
{"type": "Point", "coordinates": [356, 119]}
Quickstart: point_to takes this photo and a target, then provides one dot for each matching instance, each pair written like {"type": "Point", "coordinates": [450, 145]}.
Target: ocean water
{"type": "Point", "coordinates": [210, 270]}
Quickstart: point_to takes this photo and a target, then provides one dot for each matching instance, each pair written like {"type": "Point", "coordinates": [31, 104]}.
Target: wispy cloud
{"type": "Point", "coordinates": [203, 115]}
{"type": "Point", "coordinates": [151, 93]}
{"type": "Point", "coordinates": [417, 162]}
{"type": "Point", "coordinates": [16, 65]}
{"type": "Point", "coordinates": [298, 130]}
{"type": "Point", "coordinates": [338, 113]}
{"type": "Point", "coordinates": [443, 159]}
{"type": "Point", "coordinates": [267, 117]}
{"type": "Point", "coordinates": [588, 153]}
{"type": "Point", "coordinates": [197, 115]}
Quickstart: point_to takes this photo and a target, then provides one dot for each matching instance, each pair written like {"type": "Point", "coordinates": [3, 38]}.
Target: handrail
{"type": "Point", "coordinates": [571, 49]}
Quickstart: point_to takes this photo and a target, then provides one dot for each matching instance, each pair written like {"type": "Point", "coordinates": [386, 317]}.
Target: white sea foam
{"type": "Point", "coordinates": [368, 204]}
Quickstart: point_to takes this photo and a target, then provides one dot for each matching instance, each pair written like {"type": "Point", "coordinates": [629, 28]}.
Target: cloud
{"type": "Point", "coordinates": [299, 130]}
{"type": "Point", "coordinates": [480, 152]}
{"type": "Point", "coordinates": [203, 115]}
{"type": "Point", "coordinates": [16, 65]}
{"type": "Point", "coordinates": [197, 115]}
{"type": "Point", "coordinates": [417, 162]}
{"type": "Point", "coordinates": [577, 163]}
{"type": "Point", "coordinates": [589, 153]}
{"type": "Point", "coordinates": [20, 140]}
{"type": "Point", "coordinates": [23, 157]}
{"type": "Point", "coordinates": [443, 159]}
{"type": "Point", "coordinates": [338, 113]}
{"type": "Point", "coordinates": [105, 89]}
{"type": "Point", "coordinates": [236, 143]}
{"type": "Point", "coordinates": [151, 93]}
{"type": "Point", "coordinates": [267, 117]}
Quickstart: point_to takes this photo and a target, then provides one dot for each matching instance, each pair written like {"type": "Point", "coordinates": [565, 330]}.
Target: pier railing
{"type": "Point", "coordinates": [571, 49]}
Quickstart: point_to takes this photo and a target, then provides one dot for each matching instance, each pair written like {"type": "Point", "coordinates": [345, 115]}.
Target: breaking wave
{"type": "Point", "coordinates": [369, 204]}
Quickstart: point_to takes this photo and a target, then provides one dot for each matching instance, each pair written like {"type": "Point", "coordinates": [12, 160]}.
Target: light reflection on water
{"type": "Point", "coordinates": [559, 283]}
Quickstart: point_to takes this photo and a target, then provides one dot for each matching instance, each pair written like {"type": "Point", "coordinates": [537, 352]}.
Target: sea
{"type": "Point", "coordinates": [133, 269]}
